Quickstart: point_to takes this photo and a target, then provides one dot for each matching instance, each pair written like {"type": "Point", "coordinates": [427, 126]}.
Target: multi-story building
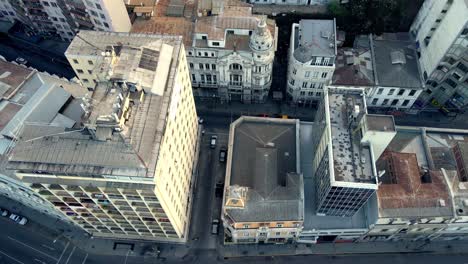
{"type": "Point", "coordinates": [385, 66]}
{"type": "Point", "coordinates": [292, 2]}
{"type": "Point", "coordinates": [126, 169]}
{"type": "Point", "coordinates": [263, 198]}
{"type": "Point", "coordinates": [440, 31]}
{"type": "Point", "coordinates": [30, 96]}
{"type": "Point", "coordinates": [63, 19]}
{"type": "Point", "coordinates": [312, 55]}
{"type": "Point", "coordinates": [231, 56]}
{"type": "Point", "coordinates": [349, 141]}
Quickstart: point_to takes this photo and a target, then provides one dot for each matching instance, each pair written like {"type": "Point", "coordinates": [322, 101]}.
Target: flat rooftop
{"type": "Point", "coordinates": [351, 160]}
{"type": "Point", "coordinates": [382, 123]}
{"type": "Point", "coordinates": [396, 61]}
{"type": "Point", "coordinates": [409, 191]}
{"type": "Point", "coordinates": [264, 159]}
{"type": "Point", "coordinates": [312, 221]}
{"type": "Point", "coordinates": [11, 77]}
{"type": "Point", "coordinates": [314, 38]}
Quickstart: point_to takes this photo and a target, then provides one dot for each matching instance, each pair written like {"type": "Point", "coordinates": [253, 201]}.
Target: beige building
{"type": "Point", "coordinates": [264, 194]}
{"type": "Point", "coordinates": [126, 169]}
{"type": "Point", "coordinates": [63, 18]}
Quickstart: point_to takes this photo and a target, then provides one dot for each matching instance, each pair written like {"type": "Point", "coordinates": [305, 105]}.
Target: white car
{"type": "Point", "coordinates": [19, 219]}
{"type": "Point", "coordinates": [4, 212]}
{"type": "Point", "coordinates": [213, 141]}
{"type": "Point", "coordinates": [21, 61]}
{"type": "Point", "coordinates": [214, 226]}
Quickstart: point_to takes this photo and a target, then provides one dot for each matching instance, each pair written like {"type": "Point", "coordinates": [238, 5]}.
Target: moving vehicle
{"type": "Point", "coordinates": [21, 61]}
{"type": "Point", "coordinates": [222, 154]}
{"type": "Point", "coordinates": [215, 226]}
{"type": "Point", "coordinates": [19, 219]}
{"type": "Point", "coordinates": [213, 141]}
{"type": "Point", "coordinates": [4, 212]}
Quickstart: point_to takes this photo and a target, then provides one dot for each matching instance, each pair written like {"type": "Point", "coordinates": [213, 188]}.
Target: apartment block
{"type": "Point", "coordinates": [385, 66]}
{"type": "Point", "coordinates": [349, 141]}
{"type": "Point", "coordinates": [312, 55]}
{"type": "Point", "coordinates": [126, 170]}
{"type": "Point", "coordinates": [264, 194]}
{"type": "Point", "coordinates": [63, 19]}
{"type": "Point", "coordinates": [440, 33]}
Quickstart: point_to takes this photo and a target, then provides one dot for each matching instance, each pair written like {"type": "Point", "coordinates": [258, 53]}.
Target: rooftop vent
{"type": "Point", "coordinates": [398, 57]}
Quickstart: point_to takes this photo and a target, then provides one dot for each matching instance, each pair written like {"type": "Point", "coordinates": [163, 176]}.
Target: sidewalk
{"type": "Point", "coordinates": [344, 248]}
{"type": "Point", "coordinates": [269, 108]}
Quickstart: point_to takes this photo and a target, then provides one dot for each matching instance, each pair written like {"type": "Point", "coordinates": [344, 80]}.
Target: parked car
{"type": "Point", "coordinates": [222, 154]}
{"type": "Point", "coordinates": [21, 61]}
{"type": "Point", "coordinates": [19, 219]}
{"type": "Point", "coordinates": [213, 141]}
{"type": "Point", "coordinates": [215, 226]}
{"type": "Point", "coordinates": [200, 120]}
{"type": "Point", "coordinates": [4, 212]}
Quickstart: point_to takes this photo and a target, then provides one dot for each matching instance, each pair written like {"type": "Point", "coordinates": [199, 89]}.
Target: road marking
{"type": "Point", "coordinates": [1, 252]}
{"type": "Point", "coordinates": [46, 246]}
{"type": "Point", "coordinates": [45, 254]}
{"type": "Point", "coordinates": [84, 260]}
{"type": "Point", "coordinates": [63, 252]}
{"type": "Point", "coordinates": [69, 256]}
{"type": "Point", "coordinates": [40, 261]}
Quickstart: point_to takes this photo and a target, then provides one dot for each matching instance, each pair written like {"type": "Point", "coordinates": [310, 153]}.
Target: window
{"type": "Point", "coordinates": [391, 92]}
{"type": "Point", "coordinates": [294, 71]}
{"type": "Point", "coordinates": [395, 102]}
{"type": "Point", "coordinates": [278, 233]}
{"type": "Point", "coordinates": [326, 61]}
{"type": "Point", "coordinates": [315, 75]}
{"type": "Point", "coordinates": [79, 71]}
{"type": "Point", "coordinates": [190, 53]}
{"type": "Point", "coordinates": [456, 76]}
{"type": "Point", "coordinates": [46, 3]}
{"type": "Point", "coordinates": [206, 54]}
{"type": "Point", "coordinates": [464, 32]}
{"type": "Point", "coordinates": [102, 15]}
{"type": "Point", "coordinates": [292, 81]}
{"type": "Point", "coordinates": [85, 80]}
{"type": "Point", "coordinates": [401, 91]}
{"type": "Point", "coordinates": [191, 65]}
{"type": "Point", "coordinates": [320, 86]}
{"type": "Point", "coordinates": [90, 72]}
{"type": "Point", "coordinates": [380, 91]}
{"type": "Point", "coordinates": [405, 103]}
{"type": "Point", "coordinates": [451, 82]}
{"type": "Point", "coordinates": [202, 78]}
{"type": "Point", "coordinates": [279, 225]}
{"type": "Point", "coordinates": [462, 67]}
{"type": "Point", "coordinates": [208, 78]}
{"type": "Point", "coordinates": [215, 43]}
{"type": "Point", "coordinates": [310, 93]}
{"type": "Point", "coordinates": [385, 102]}
{"type": "Point", "coordinates": [204, 37]}
{"type": "Point", "coordinates": [75, 61]}
{"type": "Point", "coordinates": [235, 66]}
{"type": "Point", "coordinates": [98, 6]}
{"type": "Point", "coordinates": [193, 78]}
{"type": "Point", "coordinates": [304, 84]}
{"type": "Point", "coordinates": [307, 74]}
{"type": "Point", "coordinates": [214, 79]}
{"type": "Point", "coordinates": [213, 66]}
{"type": "Point", "coordinates": [318, 61]}
{"type": "Point", "coordinates": [312, 85]}
{"type": "Point", "coordinates": [200, 66]}
{"type": "Point", "coordinates": [53, 4]}
{"type": "Point", "coordinates": [412, 93]}
{"type": "Point", "coordinates": [374, 101]}
{"type": "Point", "coordinates": [324, 74]}
{"type": "Point", "coordinates": [246, 226]}
{"type": "Point", "coordinates": [90, 62]}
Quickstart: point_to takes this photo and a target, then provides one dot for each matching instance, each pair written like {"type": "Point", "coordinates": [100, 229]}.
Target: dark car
{"type": "Point", "coordinates": [222, 154]}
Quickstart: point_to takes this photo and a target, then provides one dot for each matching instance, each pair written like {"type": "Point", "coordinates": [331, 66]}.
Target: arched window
{"type": "Point", "coordinates": [235, 66]}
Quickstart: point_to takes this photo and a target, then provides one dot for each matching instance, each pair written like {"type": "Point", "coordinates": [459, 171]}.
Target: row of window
{"type": "Point", "coordinates": [206, 78]}
{"type": "Point", "coordinates": [393, 103]}
{"type": "Point", "coordinates": [202, 54]}
{"type": "Point", "coordinates": [401, 92]}
{"type": "Point", "coordinates": [202, 66]}
{"type": "Point", "coordinates": [315, 74]}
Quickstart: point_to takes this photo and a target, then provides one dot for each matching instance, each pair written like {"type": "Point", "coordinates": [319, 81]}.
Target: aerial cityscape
{"type": "Point", "coordinates": [233, 131]}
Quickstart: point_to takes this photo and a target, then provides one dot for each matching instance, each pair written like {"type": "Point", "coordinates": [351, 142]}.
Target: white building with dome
{"type": "Point", "coordinates": [231, 56]}
{"type": "Point", "coordinates": [312, 57]}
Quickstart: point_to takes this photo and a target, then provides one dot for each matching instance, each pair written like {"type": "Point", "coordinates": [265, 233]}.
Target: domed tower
{"type": "Point", "coordinates": [263, 52]}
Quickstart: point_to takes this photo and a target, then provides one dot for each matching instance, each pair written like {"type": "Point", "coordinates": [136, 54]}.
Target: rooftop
{"type": "Point", "coordinates": [11, 77]}
{"type": "Point", "coordinates": [314, 38]}
{"type": "Point", "coordinates": [409, 191]}
{"type": "Point", "coordinates": [396, 63]}
{"type": "Point", "coordinates": [123, 129]}
{"type": "Point", "coordinates": [265, 159]}
{"type": "Point", "coordinates": [353, 67]}
{"type": "Point", "coordinates": [311, 219]}
{"type": "Point", "coordinates": [352, 160]}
